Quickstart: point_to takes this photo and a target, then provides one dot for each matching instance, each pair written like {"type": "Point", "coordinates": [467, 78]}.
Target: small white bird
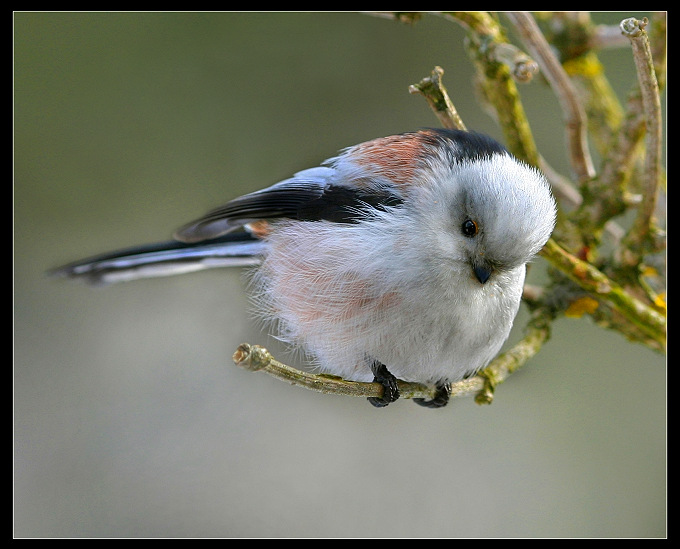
{"type": "Point", "coordinates": [402, 257]}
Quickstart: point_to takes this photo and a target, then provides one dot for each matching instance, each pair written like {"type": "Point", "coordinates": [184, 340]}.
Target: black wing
{"type": "Point", "coordinates": [308, 196]}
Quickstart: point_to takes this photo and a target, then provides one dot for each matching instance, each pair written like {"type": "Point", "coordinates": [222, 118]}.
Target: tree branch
{"type": "Point", "coordinates": [595, 282]}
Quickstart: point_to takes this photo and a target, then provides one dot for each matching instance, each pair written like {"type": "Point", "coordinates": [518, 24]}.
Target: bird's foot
{"type": "Point", "coordinates": [440, 399]}
{"type": "Point", "coordinates": [390, 387]}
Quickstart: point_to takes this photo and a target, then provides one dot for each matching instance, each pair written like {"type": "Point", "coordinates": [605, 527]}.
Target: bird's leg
{"type": "Point", "coordinates": [440, 399]}
{"type": "Point", "coordinates": [390, 388]}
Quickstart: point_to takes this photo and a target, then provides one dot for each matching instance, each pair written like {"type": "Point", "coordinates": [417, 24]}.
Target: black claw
{"type": "Point", "coordinates": [440, 399]}
{"type": "Point", "coordinates": [390, 387]}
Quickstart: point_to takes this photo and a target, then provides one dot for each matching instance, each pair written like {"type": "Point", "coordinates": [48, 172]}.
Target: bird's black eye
{"type": "Point", "coordinates": [469, 228]}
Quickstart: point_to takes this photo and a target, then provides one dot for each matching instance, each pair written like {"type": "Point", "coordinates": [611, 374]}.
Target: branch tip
{"type": "Point", "coordinates": [632, 27]}
{"type": "Point", "coordinates": [432, 89]}
{"type": "Point", "coordinates": [252, 357]}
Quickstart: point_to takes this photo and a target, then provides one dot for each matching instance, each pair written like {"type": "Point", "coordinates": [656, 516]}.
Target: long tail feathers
{"type": "Point", "coordinates": [164, 259]}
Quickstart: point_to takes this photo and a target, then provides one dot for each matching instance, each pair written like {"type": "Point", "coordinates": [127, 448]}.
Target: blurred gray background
{"type": "Point", "coordinates": [130, 419]}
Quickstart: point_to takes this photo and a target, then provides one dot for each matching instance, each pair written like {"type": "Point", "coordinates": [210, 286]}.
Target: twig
{"type": "Point", "coordinates": [434, 91]}
{"type": "Point", "coordinates": [575, 120]}
{"type": "Point", "coordinates": [634, 29]}
{"type": "Point", "coordinates": [256, 358]}
{"type": "Point", "coordinates": [496, 82]}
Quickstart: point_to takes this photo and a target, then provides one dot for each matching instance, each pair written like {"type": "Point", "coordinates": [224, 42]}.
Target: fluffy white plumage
{"type": "Point", "coordinates": [398, 287]}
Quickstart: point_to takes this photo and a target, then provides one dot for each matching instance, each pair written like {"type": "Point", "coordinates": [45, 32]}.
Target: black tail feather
{"type": "Point", "coordinates": [163, 259]}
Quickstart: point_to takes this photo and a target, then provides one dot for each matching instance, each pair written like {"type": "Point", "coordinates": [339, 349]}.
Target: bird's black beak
{"type": "Point", "coordinates": [482, 273]}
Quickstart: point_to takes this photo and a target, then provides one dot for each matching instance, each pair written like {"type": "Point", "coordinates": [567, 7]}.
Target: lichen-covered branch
{"type": "Point", "coordinates": [495, 79]}
{"type": "Point", "coordinates": [596, 283]}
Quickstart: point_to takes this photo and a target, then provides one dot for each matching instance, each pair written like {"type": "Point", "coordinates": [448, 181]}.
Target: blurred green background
{"type": "Point", "coordinates": [130, 419]}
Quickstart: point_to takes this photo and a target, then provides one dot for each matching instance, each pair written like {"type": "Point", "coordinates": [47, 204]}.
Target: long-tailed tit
{"type": "Point", "coordinates": [402, 257]}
